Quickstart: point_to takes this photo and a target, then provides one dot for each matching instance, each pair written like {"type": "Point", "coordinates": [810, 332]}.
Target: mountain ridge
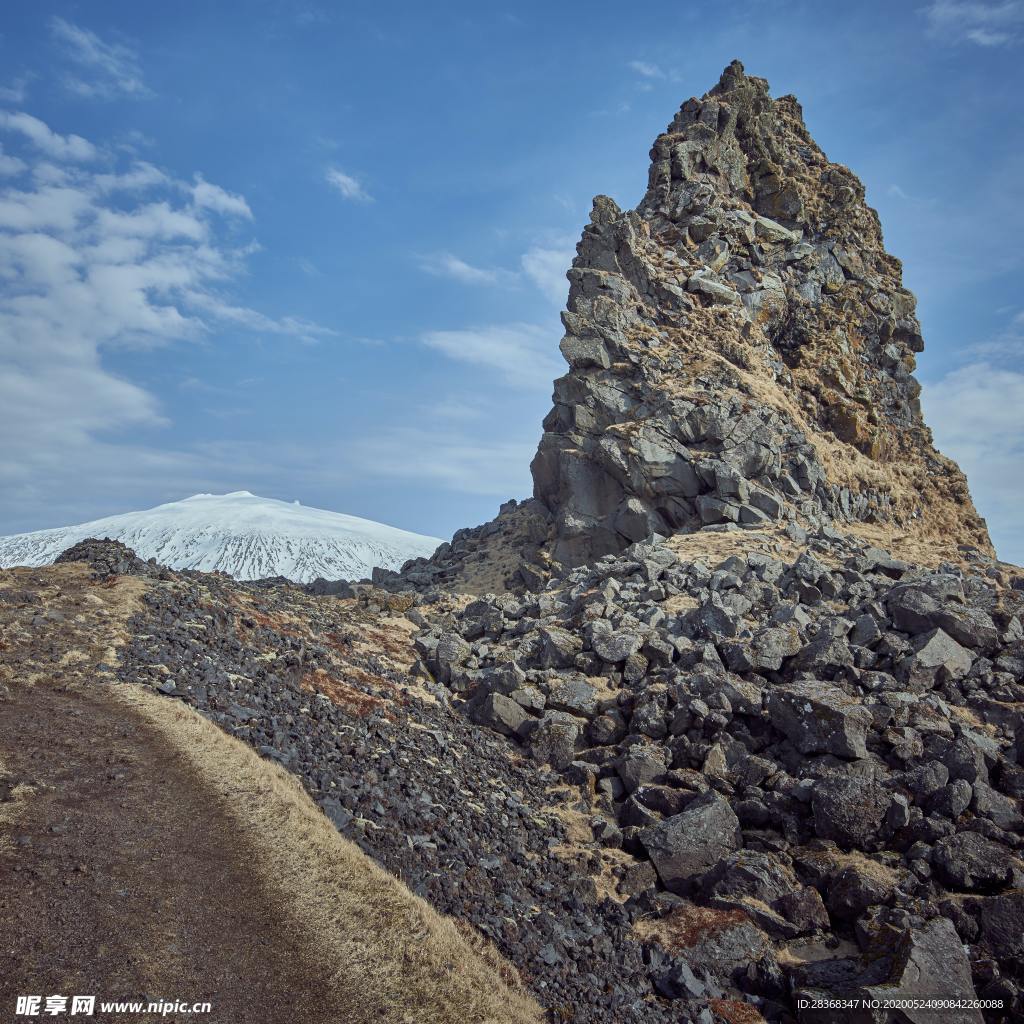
{"type": "Point", "coordinates": [240, 533]}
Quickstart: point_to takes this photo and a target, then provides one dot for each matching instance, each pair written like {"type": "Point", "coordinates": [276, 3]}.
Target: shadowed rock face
{"type": "Point", "coordinates": [740, 349]}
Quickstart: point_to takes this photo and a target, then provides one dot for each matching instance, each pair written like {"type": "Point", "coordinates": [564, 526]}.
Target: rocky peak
{"type": "Point", "coordinates": [741, 351]}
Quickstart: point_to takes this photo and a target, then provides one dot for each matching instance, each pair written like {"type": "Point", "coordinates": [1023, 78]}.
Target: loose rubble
{"type": "Point", "coordinates": [792, 748]}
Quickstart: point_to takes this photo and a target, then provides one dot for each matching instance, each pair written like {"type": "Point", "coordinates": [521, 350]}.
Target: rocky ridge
{"type": "Point", "coordinates": [741, 352]}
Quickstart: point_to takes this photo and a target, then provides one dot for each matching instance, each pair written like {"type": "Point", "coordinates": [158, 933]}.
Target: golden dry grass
{"type": "Point", "coordinates": [374, 938]}
{"type": "Point", "coordinates": [714, 548]}
{"type": "Point", "coordinates": [686, 924]}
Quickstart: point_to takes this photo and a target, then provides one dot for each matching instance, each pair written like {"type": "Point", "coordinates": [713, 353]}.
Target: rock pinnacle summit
{"type": "Point", "coordinates": [741, 351]}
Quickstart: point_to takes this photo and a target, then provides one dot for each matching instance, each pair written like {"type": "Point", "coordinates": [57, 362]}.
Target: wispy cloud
{"type": "Point", "coordinates": [977, 416]}
{"type": "Point", "coordinates": [10, 164]}
{"type": "Point", "coordinates": [225, 311]}
{"type": "Point", "coordinates": [444, 264]}
{"type": "Point", "coordinates": [645, 69]}
{"type": "Point", "coordinates": [455, 460]}
{"type": "Point", "coordinates": [41, 137]}
{"type": "Point", "coordinates": [976, 413]}
{"type": "Point", "coordinates": [106, 69]}
{"type": "Point", "coordinates": [542, 265]}
{"type": "Point", "coordinates": [15, 92]}
{"type": "Point", "coordinates": [546, 266]}
{"type": "Point", "coordinates": [349, 187]}
{"type": "Point", "coordinates": [980, 22]}
{"type": "Point", "coordinates": [212, 197]}
{"type": "Point", "coordinates": [900, 193]}
{"type": "Point", "coordinates": [89, 262]}
{"type": "Point", "coordinates": [523, 355]}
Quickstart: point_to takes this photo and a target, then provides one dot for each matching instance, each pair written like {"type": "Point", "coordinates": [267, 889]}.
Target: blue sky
{"type": "Point", "coordinates": [318, 251]}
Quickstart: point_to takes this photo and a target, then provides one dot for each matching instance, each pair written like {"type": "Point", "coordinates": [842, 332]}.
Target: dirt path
{"type": "Point", "coordinates": [129, 882]}
{"type": "Point", "coordinates": [145, 856]}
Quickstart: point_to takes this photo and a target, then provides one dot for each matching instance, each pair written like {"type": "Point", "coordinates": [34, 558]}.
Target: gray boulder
{"type": "Point", "coordinates": [936, 658]}
{"type": "Point", "coordinates": [1002, 925]}
{"type": "Point", "coordinates": [559, 647]}
{"type": "Point", "coordinates": [574, 695]}
{"type": "Point", "coordinates": [689, 843]}
{"type": "Point", "coordinates": [451, 651]}
{"type": "Point", "coordinates": [553, 741]}
{"type": "Point", "coordinates": [765, 651]}
{"type": "Point", "coordinates": [502, 714]}
{"type": "Point", "coordinates": [968, 860]}
{"type": "Point", "coordinates": [614, 646]}
{"type": "Point", "coordinates": [848, 809]}
{"type": "Point", "coordinates": [819, 718]}
{"type": "Point", "coordinates": [642, 764]}
{"type": "Point", "coordinates": [892, 985]}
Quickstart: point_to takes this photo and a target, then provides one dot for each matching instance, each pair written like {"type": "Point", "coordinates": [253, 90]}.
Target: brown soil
{"type": "Point", "coordinates": [125, 880]}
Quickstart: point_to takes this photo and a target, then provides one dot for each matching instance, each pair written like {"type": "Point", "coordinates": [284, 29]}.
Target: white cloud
{"type": "Point", "coordinates": [450, 459]}
{"type": "Point", "coordinates": [349, 187]}
{"type": "Point", "coordinates": [96, 262]}
{"type": "Point", "coordinates": [213, 197]}
{"type": "Point", "coordinates": [141, 176]}
{"type": "Point", "coordinates": [253, 320]}
{"type": "Point", "coordinates": [10, 164]}
{"type": "Point", "coordinates": [15, 92]}
{"type": "Point", "coordinates": [646, 69]}
{"type": "Point", "coordinates": [113, 68]}
{"type": "Point", "coordinates": [154, 220]}
{"type": "Point", "coordinates": [39, 134]}
{"type": "Point", "coordinates": [444, 264]}
{"type": "Point", "coordinates": [546, 267]}
{"type": "Point", "coordinates": [524, 355]}
{"type": "Point", "coordinates": [981, 22]}
{"type": "Point", "coordinates": [977, 416]}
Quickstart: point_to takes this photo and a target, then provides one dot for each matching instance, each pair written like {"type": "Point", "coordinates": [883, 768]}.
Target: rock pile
{"type": "Point", "coordinates": [829, 747]}
{"type": "Point", "coordinates": [108, 558]}
{"type": "Point", "coordinates": [741, 349]}
{"type": "Point", "coordinates": [506, 553]}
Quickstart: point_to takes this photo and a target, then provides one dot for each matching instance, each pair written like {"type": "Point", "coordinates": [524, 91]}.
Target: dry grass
{"type": "Point", "coordinates": [811, 949]}
{"type": "Point", "coordinates": [734, 1011]}
{"type": "Point", "coordinates": [399, 960]}
{"type": "Point", "coordinates": [95, 623]}
{"type": "Point", "coordinates": [715, 548]}
{"type": "Point", "coordinates": [686, 925]}
{"type": "Point", "coordinates": [606, 879]}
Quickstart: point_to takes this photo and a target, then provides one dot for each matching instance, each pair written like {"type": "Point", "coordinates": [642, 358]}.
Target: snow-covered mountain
{"type": "Point", "coordinates": [238, 533]}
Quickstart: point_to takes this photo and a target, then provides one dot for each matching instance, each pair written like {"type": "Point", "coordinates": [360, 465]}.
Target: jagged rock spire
{"type": "Point", "coordinates": [741, 349]}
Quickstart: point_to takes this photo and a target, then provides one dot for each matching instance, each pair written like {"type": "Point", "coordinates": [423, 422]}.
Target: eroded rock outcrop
{"type": "Point", "coordinates": [741, 350]}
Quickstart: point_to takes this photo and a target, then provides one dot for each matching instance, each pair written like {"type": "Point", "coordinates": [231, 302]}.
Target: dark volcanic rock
{"type": "Point", "coordinates": [820, 719]}
{"type": "Point", "coordinates": [108, 558]}
{"type": "Point", "coordinates": [751, 247]}
{"type": "Point", "coordinates": [848, 808]}
{"type": "Point", "coordinates": [968, 860]}
{"type": "Point", "coordinates": [689, 843]}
